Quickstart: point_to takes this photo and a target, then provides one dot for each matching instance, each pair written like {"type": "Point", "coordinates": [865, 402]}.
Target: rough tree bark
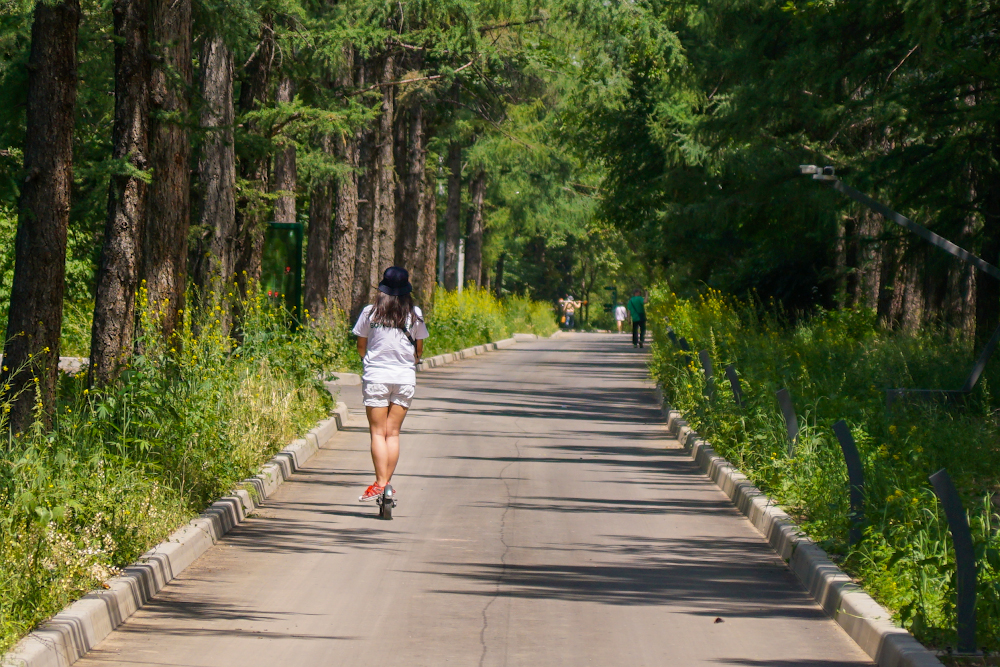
{"type": "Point", "coordinates": [345, 230]}
{"type": "Point", "coordinates": [317, 280]}
{"type": "Point", "coordinates": [248, 246]}
{"type": "Point", "coordinates": [113, 332]}
{"type": "Point", "coordinates": [285, 175]}
{"type": "Point", "coordinates": [498, 281]}
{"type": "Point", "coordinates": [361, 285]}
{"type": "Point", "coordinates": [452, 215]}
{"type": "Point", "coordinates": [34, 320]}
{"type": "Point", "coordinates": [168, 216]}
{"type": "Point", "coordinates": [385, 186]}
{"type": "Point", "coordinates": [428, 258]}
{"type": "Point", "coordinates": [988, 288]}
{"type": "Point", "coordinates": [474, 240]}
{"type": "Point", "coordinates": [410, 208]}
{"type": "Point", "coordinates": [212, 257]}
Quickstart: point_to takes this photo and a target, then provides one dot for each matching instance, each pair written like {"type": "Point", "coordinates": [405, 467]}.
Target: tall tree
{"type": "Point", "coordinates": [384, 242]}
{"type": "Point", "coordinates": [411, 168]}
{"type": "Point", "coordinates": [426, 276]}
{"type": "Point", "coordinates": [317, 278]}
{"type": "Point", "coordinates": [365, 249]}
{"type": "Point", "coordinates": [34, 321]}
{"type": "Point", "coordinates": [112, 334]}
{"type": "Point", "coordinates": [168, 217]}
{"type": "Point", "coordinates": [212, 255]}
{"type": "Point", "coordinates": [285, 174]}
{"type": "Point", "coordinates": [248, 245]}
{"type": "Point", "coordinates": [474, 242]}
{"type": "Point", "coordinates": [345, 230]}
{"type": "Point", "coordinates": [452, 216]}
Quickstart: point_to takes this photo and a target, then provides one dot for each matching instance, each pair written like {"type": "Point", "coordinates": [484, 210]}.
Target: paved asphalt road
{"type": "Point", "coordinates": [545, 518]}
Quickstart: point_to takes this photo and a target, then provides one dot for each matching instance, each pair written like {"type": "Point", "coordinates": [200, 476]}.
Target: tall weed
{"type": "Point", "coordinates": [125, 465]}
{"type": "Point", "coordinates": [457, 320]}
{"type": "Point", "coordinates": [838, 365]}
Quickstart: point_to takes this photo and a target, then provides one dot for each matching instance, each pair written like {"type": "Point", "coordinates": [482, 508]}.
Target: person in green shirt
{"type": "Point", "coordinates": [637, 311]}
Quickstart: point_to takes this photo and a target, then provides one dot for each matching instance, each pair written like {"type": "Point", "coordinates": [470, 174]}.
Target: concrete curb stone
{"type": "Point", "coordinates": [469, 352]}
{"type": "Point", "coordinates": [868, 623]}
{"type": "Point", "coordinates": [66, 637]}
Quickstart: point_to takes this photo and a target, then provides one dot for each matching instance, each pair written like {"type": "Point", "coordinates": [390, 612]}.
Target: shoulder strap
{"type": "Point", "coordinates": [406, 332]}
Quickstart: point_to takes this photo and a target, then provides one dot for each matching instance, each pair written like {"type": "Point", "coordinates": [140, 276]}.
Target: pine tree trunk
{"type": "Point", "coordinates": [345, 229]}
{"type": "Point", "coordinates": [871, 248]}
{"type": "Point", "coordinates": [285, 175]}
{"type": "Point", "coordinates": [168, 216]}
{"type": "Point", "coordinates": [987, 287]}
{"type": "Point", "coordinates": [34, 320]}
{"type": "Point", "coordinates": [452, 216]}
{"type": "Point", "coordinates": [317, 277]}
{"type": "Point", "coordinates": [385, 186]}
{"type": "Point", "coordinates": [113, 332]}
{"type": "Point", "coordinates": [361, 288]}
{"type": "Point", "coordinates": [248, 246]}
{"type": "Point", "coordinates": [889, 265]}
{"type": "Point", "coordinates": [412, 189]}
{"type": "Point", "coordinates": [212, 257]}
{"type": "Point", "coordinates": [498, 281]}
{"type": "Point", "coordinates": [474, 241]}
{"type": "Point", "coordinates": [428, 237]}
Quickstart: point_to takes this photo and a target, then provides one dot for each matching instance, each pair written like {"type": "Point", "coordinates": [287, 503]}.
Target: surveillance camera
{"type": "Point", "coordinates": [806, 169]}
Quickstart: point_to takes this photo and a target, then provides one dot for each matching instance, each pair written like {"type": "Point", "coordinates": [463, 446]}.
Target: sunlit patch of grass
{"type": "Point", "coordinates": [127, 464]}
{"type": "Point", "coordinates": [837, 365]}
{"type": "Point", "coordinates": [474, 317]}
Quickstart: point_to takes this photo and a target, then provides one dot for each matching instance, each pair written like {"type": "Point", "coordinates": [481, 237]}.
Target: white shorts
{"type": "Point", "coordinates": [379, 395]}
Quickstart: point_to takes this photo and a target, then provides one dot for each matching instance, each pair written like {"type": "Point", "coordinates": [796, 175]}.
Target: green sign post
{"type": "Point", "coordinates": [281, 269]}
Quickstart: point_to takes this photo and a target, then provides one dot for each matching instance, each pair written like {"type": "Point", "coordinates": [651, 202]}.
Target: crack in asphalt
{"type": "Point", "coordinates": [503, 556]}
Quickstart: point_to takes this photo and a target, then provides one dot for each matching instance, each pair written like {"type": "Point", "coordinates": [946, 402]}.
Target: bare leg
{"type": "Point", "coordinates": [384, 425]}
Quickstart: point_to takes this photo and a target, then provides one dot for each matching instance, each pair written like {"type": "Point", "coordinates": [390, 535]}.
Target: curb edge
{"type": "Point", "coordinates": [866, 621]}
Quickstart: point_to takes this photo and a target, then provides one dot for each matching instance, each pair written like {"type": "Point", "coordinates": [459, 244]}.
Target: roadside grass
{"type": "Point", "coordinates": [837, 365]}
{"type": "Point", "coordinates": [126, 465]}
{"type": "Point", "coordinates": [474, 317]}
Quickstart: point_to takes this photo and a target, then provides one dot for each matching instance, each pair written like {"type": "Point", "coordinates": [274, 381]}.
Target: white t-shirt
{"type": "Point", "coordinates": [390, 358]}
{"type": "Point", "coordinates": [621, 313]}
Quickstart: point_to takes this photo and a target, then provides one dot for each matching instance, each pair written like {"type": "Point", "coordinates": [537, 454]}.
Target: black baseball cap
{"type": "Point", "coordinates": [395, 282]}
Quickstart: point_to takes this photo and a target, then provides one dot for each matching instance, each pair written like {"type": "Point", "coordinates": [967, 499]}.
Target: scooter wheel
{"type": "Point", "coordinates": [387, 503]}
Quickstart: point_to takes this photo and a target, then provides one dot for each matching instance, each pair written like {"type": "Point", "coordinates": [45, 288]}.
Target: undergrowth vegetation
{"type": "Point", "coordinates": [124, 466]}
{"type": "Point", "coordinates": [473, 317]}
{"type": "Point", "coordinates": [838, 365]}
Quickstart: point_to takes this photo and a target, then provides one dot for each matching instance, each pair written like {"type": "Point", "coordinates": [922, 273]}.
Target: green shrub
{"type": "Point", "coordinates": [837, 365]}
{"type": "Point", "coordinates": [474, 317]}
{"type": "Point", "coordinates": [125, 465]}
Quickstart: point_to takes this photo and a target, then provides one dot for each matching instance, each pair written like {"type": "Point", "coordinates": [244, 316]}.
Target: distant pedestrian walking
{"type": "Point", "coordinates": [391, 335]}
{"type": "Point", "coordinates": [621, 314]}
{"type": "Point", "coordinates": [637, 309]}
{"type": "Point", "coordinates": [569, 306]}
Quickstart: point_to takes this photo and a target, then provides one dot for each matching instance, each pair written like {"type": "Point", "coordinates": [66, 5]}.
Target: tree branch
{"type": "Point", "coordinates": [402, 81]}
{"type": "Point", "coordinates": [510, 24]}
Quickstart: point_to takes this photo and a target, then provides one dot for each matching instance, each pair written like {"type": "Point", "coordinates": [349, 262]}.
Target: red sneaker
{"type": "Point", "coordinates": [371, 493]}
